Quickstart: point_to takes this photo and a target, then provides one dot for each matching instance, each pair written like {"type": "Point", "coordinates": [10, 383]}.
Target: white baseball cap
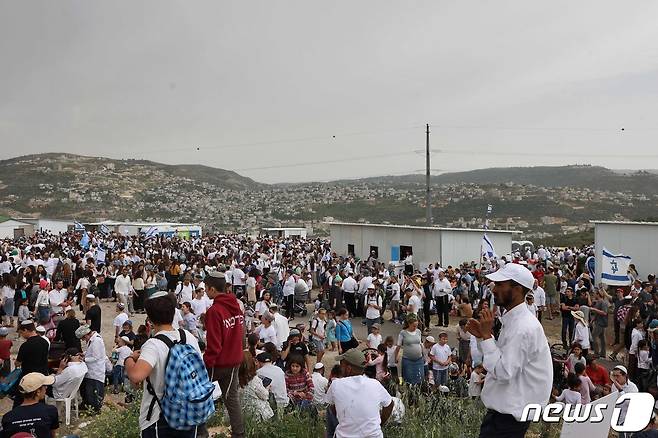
{"type": "Point", "coordinates": [515, 272]}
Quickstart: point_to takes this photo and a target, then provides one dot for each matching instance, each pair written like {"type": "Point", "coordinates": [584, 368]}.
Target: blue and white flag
{"type": "Point", "coordinates": [590, 263]}
{"type": "Point", "coordinates": [614, 269]}
{"type": "Point", "coordinates": [150, 233]}
{"type": "Point", "coordinates": [487, 248]}
{"type": "Point", "coordinates": [77, 226]}
{"type": "Point", "coordinates": [84, 242]}
{"type": "Point", "coordinates": [104, 229]}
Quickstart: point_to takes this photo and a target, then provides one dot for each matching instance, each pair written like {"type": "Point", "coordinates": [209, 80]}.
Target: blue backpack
{"type": "Point", "coordinates": [187, 401]}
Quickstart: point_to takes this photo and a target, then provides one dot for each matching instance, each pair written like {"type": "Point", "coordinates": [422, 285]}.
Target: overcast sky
{"type": "Point", "coordinates": [340, 89]}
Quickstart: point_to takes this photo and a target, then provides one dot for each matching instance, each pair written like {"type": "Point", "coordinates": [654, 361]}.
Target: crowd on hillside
{"type": "Point", "coordinates": [232, 312]}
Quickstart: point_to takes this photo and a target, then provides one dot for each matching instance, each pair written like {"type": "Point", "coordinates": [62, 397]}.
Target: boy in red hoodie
{"type": "Point", "coordinates": [224, 336]}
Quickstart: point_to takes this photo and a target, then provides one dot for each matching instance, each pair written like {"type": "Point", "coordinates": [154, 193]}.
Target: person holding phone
{"type": "Point", "coordinates": [71, 368]}
{"type": "Point", "coordinates": [253, 391]}
{"type": "Point", "coordinates": [276, 377]}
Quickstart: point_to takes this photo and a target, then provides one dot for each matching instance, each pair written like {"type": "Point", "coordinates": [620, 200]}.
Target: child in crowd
{"type": "Point", "coordinates": [141, 337]}
{"type": "Point", "coordinates": [379, 362]}
{"type": "Point", "coordinates": [299, 383]}
{"type": "Point", "coordinates": [576, 355]}
{"type": "Point", "coordinates": [476, 381]}
{"type": "Point", "coordinates": [127, 330]}
{"type": "Point", "coordinates": [23, 312]}
{"type": "Point", "coordinates": [586, 387]}
{"type": "Point", "coordinates": [390, 357]}
{"type": "Point", "coordinates": [189, 319]}
{"type": "Point", "coordinates": [330, 331]}
{"type": "Point", "coordinates": [121, 352]}
{"type": "Point", "coordinates": [571, 395]}
{"type": "Point", "coordinates": [440, 354]}
{"type": "Point", "coordinates": [643, 363]}
{"type": "Point", "coordinates": [5, 348]}
{"type": "Point", "coordinates": [374, 338]}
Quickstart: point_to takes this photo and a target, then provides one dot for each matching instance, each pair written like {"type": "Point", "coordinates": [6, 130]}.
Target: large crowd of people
{"type": "Point", "coordinates": [232, 312]}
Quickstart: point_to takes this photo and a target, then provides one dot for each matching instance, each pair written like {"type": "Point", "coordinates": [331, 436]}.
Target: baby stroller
{"type": "Point", "coordinates": [559, 356]}
{"type": "Point", "coordinates": [301, 296]}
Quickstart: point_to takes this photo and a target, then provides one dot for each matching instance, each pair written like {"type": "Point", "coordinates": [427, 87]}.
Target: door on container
{"type": "Point", "coordinates": [19, 232]}
{"type": "Point", "coordinates": [406, 253]}
{"type": "Point", "coordinates": [350, 249]}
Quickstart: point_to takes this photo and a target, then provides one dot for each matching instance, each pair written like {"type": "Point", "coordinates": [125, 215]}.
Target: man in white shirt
{"type": "Point", "coordinates": [320, 384]}
{"type": "Point", "coordinates": [361, 404]}
{"type": "Point", "coordinates": [519, 365]}
{"type": "Point", "coordinates": [150, 362]}
{"type": "Point", "coordinates": [441, 288]}
{"type": "Point", "coordinates": [93, 391]}
{"type": "Point", "coordinates": [278, 377]}
{"type": "Point", "coordinates": [540, 298]}
{"type": "Point", "coordinates": [349, 289]}
{"type": "Point", "coordinates": [622, 385]}
{"type": "Point", "coordinates": [289, 294]}
{"type": "Point", "coordinates": [185, 291]}
{"type": "Point", "coordinates": [123, 286]}
{"type": "Point", "coordinates": [58, 297]}
{"type": "Point", "coordinates": [281, 327]}
{"type": "Point", "coordinates": [71, 369]}
{"type": "Point", "coordinates": [121, 317]}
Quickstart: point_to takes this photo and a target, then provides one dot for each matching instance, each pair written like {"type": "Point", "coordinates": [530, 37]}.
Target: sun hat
{"type": "Point", "coordinates": [579, 315]}
{"type": "Point", "coordinates": [33, 381]}
{"type": "Point", "coordinates": [514, 272]}
{"type": "Point", "coordinates": [82, 331]}
{"type": "Point", "coordinates": [354, 357]}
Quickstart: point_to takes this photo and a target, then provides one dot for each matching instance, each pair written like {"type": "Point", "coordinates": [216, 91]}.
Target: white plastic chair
{"type": "Point", "coordinates": [72, 398]}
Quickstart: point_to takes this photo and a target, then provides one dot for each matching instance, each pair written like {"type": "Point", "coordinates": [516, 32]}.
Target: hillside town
{"type": "Point", "coordinates": [96, 189]}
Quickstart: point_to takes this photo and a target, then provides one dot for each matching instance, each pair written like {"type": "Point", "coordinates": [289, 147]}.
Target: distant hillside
{"type": "Point", "coordinates": [591, 177]}
{"type": "Point", "coordinates": [64, 185]}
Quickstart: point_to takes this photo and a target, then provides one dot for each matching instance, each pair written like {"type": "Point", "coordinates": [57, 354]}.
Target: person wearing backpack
{"type": "Point", "coordinates": [177, 396]}
{"type": "Point", "coordinates": [224, 339]}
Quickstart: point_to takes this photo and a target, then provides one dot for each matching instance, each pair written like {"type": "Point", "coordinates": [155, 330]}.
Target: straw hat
{"type": "Point", "coordinates": [580, 316]}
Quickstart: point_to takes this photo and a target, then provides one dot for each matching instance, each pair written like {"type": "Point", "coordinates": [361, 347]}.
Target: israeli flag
{"type": "Point", "coordinates": [150, 233]}
{"type": "Point", "coordinates": [487, 248]}
{"type": "Point", "coordinates": [84, 242]}
{"type": "Point", "coordinates": [104, 229]}
{"type": "Point", "coordinates": [614, 269]}
{"type": "Point", "coordinates": [77, 226]}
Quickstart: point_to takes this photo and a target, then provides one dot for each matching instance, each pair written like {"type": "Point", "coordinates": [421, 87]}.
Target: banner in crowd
{"type": "Point", "coordinates": [614, 268]}
{"type": "Point", "coordinates": [487, 248]}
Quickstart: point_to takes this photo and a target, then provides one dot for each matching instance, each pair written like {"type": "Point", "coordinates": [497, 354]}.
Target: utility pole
{"type": "Point", "coordinates": [428, 197]}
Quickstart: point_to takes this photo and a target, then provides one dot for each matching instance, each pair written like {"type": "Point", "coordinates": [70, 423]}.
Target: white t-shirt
{"type": "Point", "coordinates": [474, 385]}
{"type": "Point", "coordinates": [415, 303]}
{"type": "Point", "coordinates": [318, 325]}
{"type": "Point", "coordinates": [371, 312]}
{"type": "Point", "coordinates": [358, 400]}
{"type": "Point", "coordinates": [124, 351]}
{"type": "Point", "coordinates": [120, 319]}
{"type": "Point", "coordinates": [374, 340]}
{"type": "Point", "coordinates": [320, 384]}
{"type": "Point", "coordinates": [155, 352]}
{"type": "Point", "coordinates": [267, 334]}
{"type": "Point", "coordinates": [199, 306]}
{"type": "Point", "coordinates": [442, 353]}
{"type": "Point", "coordinates": [178, 318]}
{"type": "Point", "coordinates": [395, 292]}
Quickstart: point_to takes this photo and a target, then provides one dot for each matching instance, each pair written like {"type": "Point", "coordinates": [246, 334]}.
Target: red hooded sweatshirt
{"type": "Point", "coordinates": [224, 333]}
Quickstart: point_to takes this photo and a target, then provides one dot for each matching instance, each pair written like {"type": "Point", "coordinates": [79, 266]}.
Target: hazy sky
{"type": "Point", "coordinates": [257, 84]}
